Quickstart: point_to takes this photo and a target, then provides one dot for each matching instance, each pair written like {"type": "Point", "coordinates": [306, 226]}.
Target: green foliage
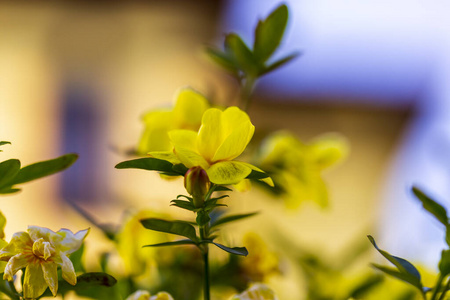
{"type": "Point", "coordinates": [236, 250]}
{"type": "Point", "coordinates": [153, 164]}
{"type": "Point", "coordinates": [269, 32]}
{"type": "Point", "coordinates": [11, 173]}
{"type": "Point", "coordinates": [405, 270]}
{"type": "Point", "coordinates": [8, 289]}
{"type": "Point", "coordinates": [432, 206]}
{"type": "Point", "coordinates": [444, 263]}
{"type": "Point", "coordinates": [174, 227]}
{"type": "Point", "coordinates": [231, 218]}
{"type": "Point", "coordinates": [241, 61]}
{"type": "Point", "coordinates": [95, 285]}
{"type": "Point", "coordinates": [175, 243]}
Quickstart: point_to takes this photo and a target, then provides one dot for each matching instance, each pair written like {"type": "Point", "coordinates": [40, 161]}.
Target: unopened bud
{"type": "Point", "coordinates": [197, 184]}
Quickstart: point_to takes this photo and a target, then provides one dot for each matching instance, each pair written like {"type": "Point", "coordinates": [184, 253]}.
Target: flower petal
{"type": "Point", "coordinates": [189, 109]}
{"type": "Point", "coordinates": [37, 232]}
{"type": "Point", "coordinates": [155, 137]}
{"type": "Point", "coordinates": [210, 135]}
{"type": "Point", "coordinates": [34, 283]}
{"type": "Point", "coordinates": [15, 263]}
{"type": "Point", "coordinates": [68, 272]}
{"type": "Point", "coordinates": [71, 242]}
{"type": "Point", "coordinates": [228, 172]}
{"type": "Point", "coordinates": [184, 139]}
{"type": "Point", "coordinates": [162, 296]}
{"type": "Point", "coordinates": [51, 276]}
{"type": "Point", "coordinates": [233, 117]}
{"type": "Point", "coordinates": [184, 142]}
{"type": "Point", "coordinates": [235, 143]}
{"type": "Point", "coordinates": [139, 295]}
{"type": "Point", "coordinates": [19, 242]}
{"type": "Point", "coordinates": [191, 158]}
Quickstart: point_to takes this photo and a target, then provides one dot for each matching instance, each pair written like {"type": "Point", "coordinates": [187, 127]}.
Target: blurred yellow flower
{"type": "Point", "coordinates": [257, 291]}
{"type": "Point", "coordinates": [260, 262]}
{"type": "Point", "coordinates": [138, 262]}
{"type": "Point", "coordinates": [222, 137]}
{"type": "Point", "coordinates": [3, 243]}
{"type": "Point", "coordinates": [40, 251]}
{"type": "Point", "coordinates": [186, 114]}
{"type": "Point", "coordinates": [145, 295]}
{"type": "Point", "coordinates": [296, 167]}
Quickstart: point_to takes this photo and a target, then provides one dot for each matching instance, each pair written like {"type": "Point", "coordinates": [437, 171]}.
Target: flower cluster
{"type": "Point", "coordinates": [222, 137]}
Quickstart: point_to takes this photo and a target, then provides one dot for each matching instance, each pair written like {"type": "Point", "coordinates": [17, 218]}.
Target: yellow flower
{"type": "Point", "coordinates": [260, 263]}
{"type": "Point", "coordinates": [145, 295]}
{"type": "Point", "coordinates": [186, 114]}
{"type": "Point", "coordinates": [297, 167]}
{"type": "Point", "coordinates": [41, 251]}
{"type": "Point", "coordinates": [257, 291]}
{"type": "Point", "coordinates": [222, 137]}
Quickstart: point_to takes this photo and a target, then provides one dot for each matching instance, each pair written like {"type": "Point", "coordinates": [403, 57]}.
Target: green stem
{"type": "Point", "coordinates": [246, 91]}
{"type": "Point", "coordinates": [447, 287]}
{"type": "Point", "coordinates": [205, 251]}
{"type": "Point", "coordinates": [206, 274]}
{"type": "Point", "coordinates": [437, 287]}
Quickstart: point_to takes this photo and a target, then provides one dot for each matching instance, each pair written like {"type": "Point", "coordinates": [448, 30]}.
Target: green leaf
{"type": "Point", "coordinates": [76, 259]}
{"type": "Point", "coordinates": [180, 169]}
{"type": "Point", "coordinates": [269, 33]}
{"type": "Point", "coordinates": [175, 243]}
{"type": "Point", "coordinates": [148, 163]}
{"type": "Point", "coordinates": [231, 218]}
{"type": "Point", "coordinates": [202, 218]}
{"type": "Point", "coordinates": [257, 175]}
{"type": "Point", "coordinates": [174, 227]}
{"type": "Point", "coordinates": [8, 170]}
{"type": "Point", "coordinates": [404, 266]}
{"type": "Point", "coordinates": [447, 234]}
{"type": "Point", "coordinates": [221, 188]}
{"type": "Point", "coordinates": [278, 63]}
{"type": "Point", "coordinates": [44, 168]}
{"type": "Point", "coordinates": [241, 54]}
{"type": "Point", "coordinates": [183, 204]}
{"type": "Point", "coordinates": [3, 143]}
{"type": "Point", "coordinates": [444, 263]}
{"type": "Point", "coordinates": [88, 284]}
{"type": "Point", "coordinates": [95, 278]}
{"type": "Point", "coordinates": [432, 206]}
{"type": "Point", "coordinates": [236, 250]}
{"type": "Point", "coordinates": [400, 275]}
{"type": "Point", "coordinates": [9, 190]}
{"type": "Point", "coordinates": [364, 287]}
{"type": "Point", "coordinates": [7, 288]}
{"type": "Point", "coordinates": [222, 59]}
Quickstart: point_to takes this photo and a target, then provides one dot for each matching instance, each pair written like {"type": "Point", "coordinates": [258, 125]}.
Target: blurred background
{"type": "Point", "coordinates": [77, 77]}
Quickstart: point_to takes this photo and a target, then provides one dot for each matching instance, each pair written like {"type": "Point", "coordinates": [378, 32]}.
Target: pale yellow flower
{"type": "Point", "coordinates": [40, 251]}
{"type": "Point", "coordinates": [145, 295]}
{"type": "Point", "coordinates": [186, 114]}
{"type": "Point", "coordinates": [222, 137]}
{"type": "Point", "coordinates": [257, 291]}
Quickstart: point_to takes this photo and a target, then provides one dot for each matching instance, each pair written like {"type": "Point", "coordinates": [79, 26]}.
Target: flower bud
{"type": "Point", "coordinates": [197, 184]}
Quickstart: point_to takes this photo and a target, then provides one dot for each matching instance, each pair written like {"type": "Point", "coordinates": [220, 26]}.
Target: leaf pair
{"type": "Point", "coordinates": [238, 59]}
{"type": "Point", "coordinates": [11, 174]}
{"type": "Point", "coordinates": [187, 230]}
